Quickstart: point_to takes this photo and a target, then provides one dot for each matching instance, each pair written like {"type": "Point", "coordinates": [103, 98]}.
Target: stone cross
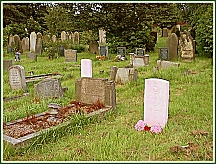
{"type": "Point", "coordinates": [156, 101]}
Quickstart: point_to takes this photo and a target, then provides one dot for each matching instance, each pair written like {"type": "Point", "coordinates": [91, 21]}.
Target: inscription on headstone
{"type": "Point", "coordinates": [163, 53]}
{"type": "Point", "coordinates": [121, 51]}
{"type": "Point", "coordinates": [140, 51]}
{"type": "Point", "coordinates": [17, 78]}
{"type": "Point", "coordinates": [104, 51]}
{"type": "Point", "coordinates": [156, 100]}
{"type": "Point", "coordinates": [48, 88]}
{"type": "Point", "coordinates": [70, 55]}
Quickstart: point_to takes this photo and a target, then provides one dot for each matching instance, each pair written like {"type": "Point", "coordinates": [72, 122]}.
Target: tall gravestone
{"type": "Point", "coordinates": [73, 37]}
{"type": "Point", "coordinates": [38, 49]}
{"type": "Point", "coordinates": [163, 53]}
{"type": "Point", "coordinates": [39, 35]}
{"type": "Point", "coordinates": [17, 42]}
{"type": "Point", "coordinates": [48, 88]}
{"type": "Point", "coordinates": [187, 47]}
{"type": "Point", "coordinates": [27, 43]}
{"type": "Point", "coordinates": [86, 68]}
{"type": "Point", "coordinates": [63, 36]}
{"type": "Point", "coordinates": [104, 51]}
{"type": "Point", "coordinates": [33, 38]}
{"type": "Point", "coordinates": [172, 45]}
{"type": "Point", "coordinates": [17, 78]}
{"type": "Point", "coordinates": [11, 43]}
{"type": "Point", "coordinates": [156, 101]}
{"type": "Point", "coordinates": [102, 36]}
{"type": "Point", "coordinates": [165, 32]}
{"type": "Point", "coordinates": [54, 38]}
{"type": "Point", "coordinates": [23, 44]}
{"type": "Point", "coordinates": [70, 55]}
{"type": "Point", "coordinates": [93, 46]}
{"type": "Point", "coordinates": [76, 37]}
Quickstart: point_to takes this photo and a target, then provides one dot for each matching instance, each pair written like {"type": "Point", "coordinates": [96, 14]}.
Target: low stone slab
{"type": "Point", "coordinates": [125, 75]}
{"type": "Point", "coordinates": [167, 64]}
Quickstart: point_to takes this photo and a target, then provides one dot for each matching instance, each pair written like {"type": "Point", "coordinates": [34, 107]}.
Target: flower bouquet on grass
{"type": "Point", "coordinates": [141, 125]}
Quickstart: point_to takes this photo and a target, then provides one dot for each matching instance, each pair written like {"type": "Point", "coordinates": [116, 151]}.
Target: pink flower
{"type": "Point", "coordinates": [140, 125]}
{"type": "Point", "coordinates": [156, 129]}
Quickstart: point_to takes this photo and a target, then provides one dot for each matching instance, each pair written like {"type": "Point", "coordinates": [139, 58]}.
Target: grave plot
{"type": "Point", "coordinates": [42, 76]}
{"type": "Point", "coordinates": [93, 96]}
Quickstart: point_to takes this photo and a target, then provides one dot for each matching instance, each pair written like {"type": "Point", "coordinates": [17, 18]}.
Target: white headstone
{"type": "Point", "coordinates": [86, 68]}
{"type": "Point", "coordinates": [63, 36]}
{"type": "Point", "coordinates": [156, 101]}
{"type": "Point", "coordinates": [33, 38]}
{"type": "Point", "coordinates": [102, 36]}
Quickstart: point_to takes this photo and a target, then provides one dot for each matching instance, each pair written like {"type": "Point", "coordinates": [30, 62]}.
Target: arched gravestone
{"type": "Point", "coordinates": [38, 49]}
{"type": "Point", "coordinates": [156, 101]}
{"type": "Point", "coordinates": [17, 77]}
{"type": "Point", "coordinates": [63, 36]}
{"type": "Point", "coordinates": [54, 38]}
{"type": "Point", "coordinates": [76, 37]}
{"type": "Point", "coordinates": [33, 38]}
{"type": "Point", "coordinates": [172, 45]}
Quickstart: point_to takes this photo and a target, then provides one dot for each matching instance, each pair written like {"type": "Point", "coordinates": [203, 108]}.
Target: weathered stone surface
{"type": "Point", "coordinates": [104, 51]}
{"type": "Point", "coordinates": [140, 51]}
{"type": "Point", "coordinates": [167, 64]}
{"type": "Point", "coordinates": [17, 78]}
{"type": "Point", "coordinates": [93, 47]}
{"type": "Point", "coordinates": [31, 56]}
{"type": "Point", "coordinates": [102, 36]}
{"type": "Point", "coordinates": [172, 45]}
{"type": "Point", "coordinates": [7, 64]}
{"type": "Point", "coordinates": [70, 55]}
{"type": "Point", "coordinates": [48, 88]}
{"type": "Point", "coordinates": [33, 38]}
{"type": "Point", "coordinates": [163, 53]}
{"type": "Point", "coordinates": [125, 75]}
{"type": "Point", "coordinates": [165, 32]}
{"type": "Point", "coordinates": [121, 51]}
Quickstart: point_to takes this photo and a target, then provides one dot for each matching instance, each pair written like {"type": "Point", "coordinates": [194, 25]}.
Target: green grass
{"type": "Point", "coordinates": [113, 137]}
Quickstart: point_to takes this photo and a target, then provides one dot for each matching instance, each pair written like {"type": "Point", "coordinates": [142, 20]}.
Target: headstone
{"type": "Point", "coordinates": [113, 71]}
{"type": "Point", "coordinates": [165, 32]}
{"type": "Point", "coordinates": [23, 44]}
{"type": "Point", "coordinates": [61, 50]}
{"type": "Point", "coordinates": [67, 36]}
{"type": "Point", "coordinates": [17, 42]}
{"type": "Point", "coordinates": [121, 51]}
{"type": "Point", "coordinates": [11, 40]}
{"type": "Point", "coordinates": [38, 49]}
{"type": "Point", "coordinates": [93, 47]}
{"type": "Point", "coordinates": [89, 90]}
{"type": "Point", "coordinates": [54, 38]}
{"type": "Point", "coordinates": [31, 56]}
{"type": "Point", "coordinates": [163, 53]}
{"type": "Point", "coordinates": [39, 35]}
{"type": "Point", "coordinates": [63, 36]}
{"type": "Point", "coordinates": [102, 36]}
{"type": "Point", "coordinates": [104, 51]}
{"type": "Point", "coordinates": [9, 49]}
{"type": "Point", "coordinates": [167, 64]}
{"type": "Point", "coordinates": [70, 55]}
{"type": "Point", "coordinates": [125, 75]}
{"type": "Point", "coordinates": [49, 87]}
{"type": "Point", "coordinates": [156, 101]}
{"type": "Point", "coordinates": [86, 68]}
{"type": "Point", "coordinates": [33, 38]}
{"type": "Point", "coordinates": [73, 38]}
{"type": "Point", "coordinates": [139, 61]}
{"type": "Point", "coordinates": [27, 43]}
{"type": "Point", "coordinates": [17, 78]}
{"type": "Point", "coordinates": [178, 26]}
{"type": "Point", "coordinates": [187, 49]}
{"type": "Point", "coordinates": [76, 37]}
{"type": "Point", "coordinates": [172, 45]}
{"type": "Point", "coordinates": [140, 51]}
{"type": "Point", "coordinates": [7, 64]}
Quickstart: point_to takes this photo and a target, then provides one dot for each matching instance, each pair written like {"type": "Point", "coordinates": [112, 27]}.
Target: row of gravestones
{"type": "Point", "coordinates": [34, 44]}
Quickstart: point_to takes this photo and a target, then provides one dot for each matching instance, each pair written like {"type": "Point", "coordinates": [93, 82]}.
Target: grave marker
{"type": "Point", "coordinates": [7, 64]}
{"type": "Point", "coordinates": [70, 55]}
{"type": "Point", "coordinates": [38, 49]}
{"type": "Point", "coordinates": [33, 38]}
{"type": "Point", "coordinates": [86, 68]}
{"type": "Point", "coordinates": [140, 52]}
{"type": "Point", "coordinates": [93, 47]}
{"type": "Point", "coordinates": [102, 36]}
{"type": "Point", "coordinates": [163, 53]}
{"type": "Point", "coordinates": [76, 37]}
{"type": "Point", "coordinates": [125, 75]}
{"type": "Point", "coordinates": [172, 45]}
{"type": "Point", "coordinates": [48, 88]}
{"type": "Point", "coordinates": [121, 51]}
{"type": "Point", "coordinates": [17, 78]}
{"type": "Point", "coordinates": [31, 56]}
{"type": "Point", "coordinates": [165, 32]}
{"type": "Point", "coordinates": [104, 51]}
{"type": "Point", "coordinates": [63, 36]}
{"type": "Point", "coordinates": [156, 100]}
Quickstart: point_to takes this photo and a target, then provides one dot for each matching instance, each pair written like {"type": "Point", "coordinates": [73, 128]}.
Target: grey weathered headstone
{"type": "Point", "coordinates": [90, 90]}
{"type": "Point", "coordinates": [33, 38]}
{"type": "Point", "coordinates": [10, 40]}
{"type": "Point", "coordinates": [172, 45]}
{"type": "Point", "coordinates": [121, 51]}
{"type": "Point", "coordinates": [38, 49]}
{"type": "Point", "coordinates": [49, 87]}
{"type": "Point", "coordinates": [163, 53]}
{"type": "Point", "coordinates": [39, 35]}
{"type": "Point", "coordinates": [76, 37]}
{"type": "Point", "coordinates": [70, 55]}
{"type": "Point", "coordinates": [104, 51]}
{"type": "Point", "coordinates": [165, 32]}
{"type": "Point", "coordinates": [187, 49]}
{"type": "Point", "coordinates": [17, 42]}
{"type": "Point", "coordinates": [125, 75]}
{"type": "Point", "coordinates": [31, 56]}
{"type": "Point", "coordinates": [61, 50]}
{"type": "Point", "coordinates": [27, 43]}
{"type": "Point", "coordinates": [23, 44]}
{"type": "Point", "coordinates": [63, 36]}
{"type": "Point", "coordinates": [7, 64]}
{"type": "Point", "coordinates": [17, 78]}
{"type": "Point", "coordinates": [140, 51]}
{"type": "Point", "coordinates": [156, 102]}
{"type": "Point", "coordinates": [113, 71]}
{"type": "Point", "coordinates": [93, 47]}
